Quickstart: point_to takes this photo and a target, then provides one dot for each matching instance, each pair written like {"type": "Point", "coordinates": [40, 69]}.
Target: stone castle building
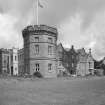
{"type": "Point", "coordinates": [60, 59]}
{"type": "Point", "coordinates": [4, 61]}
{"type": "Point", "coordinates": [75, 62]}
{"type": "Point", "coordinates": [14, 61]}
{"type": "Point", "coordinates": [21, 61]}
{"type": "Point", "coordinates": [9, 61]}
{"type": "Point", "coordinates": [40, 43]}
{"type": "Point", "coordinates": [85, 63]}
{"type": "Point", "coordinates": [42, 54]}
{"type": "Point", "coordinates": [72, 61]}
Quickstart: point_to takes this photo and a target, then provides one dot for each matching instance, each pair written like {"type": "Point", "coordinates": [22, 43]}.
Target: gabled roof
{"type": "Point", "coordinates": [81, 52]}
{"type": "Point", "coordinates": [60, 48]}
{"type": "Point", "coordinates": [103, 60]}
{"type": "Point", "coordinates": [67, 49]}
{"type": "Point", "coordinates": [71, 51]}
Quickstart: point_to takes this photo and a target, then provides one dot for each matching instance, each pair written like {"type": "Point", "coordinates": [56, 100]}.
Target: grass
{"type": "Point", "coordinates": [53, 91]}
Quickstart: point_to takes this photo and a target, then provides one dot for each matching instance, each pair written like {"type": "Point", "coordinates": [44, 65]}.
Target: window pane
{"type": "Point", "coordinates": [37, 67]}
{"type": "Point", "coordinates": [36, 49]}
{"type": "Point", "coordinates": [36, 39]}
{"type": "Point", "coordinates": [49, 67]}
{"type": "Point", "coordinates": [15, 58]}
{"type": "Point", "coordinates": [60, 63]}
{"type": "Point", "coordinates": [50, 40]}
{"type": "Point", "coordinates": [50, 50]}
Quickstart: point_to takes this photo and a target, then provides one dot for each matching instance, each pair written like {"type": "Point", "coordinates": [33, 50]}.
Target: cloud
{"type": "Point", "coordinates": [8, 35]}
{"type": "Point", "coordinates": [92, 37]}
{"type": "Point", "coordinates": [80, 22]}
{"type": "Point", "coordinates": [57, 10]}
{"type": "Point", "coordinates": [14, 16]}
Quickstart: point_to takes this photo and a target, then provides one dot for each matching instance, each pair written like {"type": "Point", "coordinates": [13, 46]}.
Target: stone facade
{"type": "Point", "coordinates": [4, 61]}
{"type": "Point", "coordinates": [14, 61]}
{"type": "Point", "coordinates": [67, 59]}
{"type": "Point", "coordinates": [60, 60]}
{"type": "Point", "coordinates": [76, 62]}
{"type": "Point", "coordinates": [9, 61]}
{"type": "Point", "coordinates": [40, 43]}
{"type": "Point", "coordinates": [42, 54]}
{"type": "Point", "coordinates": [85, 63]}
{"type": "Point", "coordinates": [72, 60]}
{"type": "Point", "coordinates": [21, 61]}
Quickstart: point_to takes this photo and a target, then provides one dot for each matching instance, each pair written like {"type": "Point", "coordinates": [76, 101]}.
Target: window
{"type": "Point", "coordinates": [26, 68]}
{"type": "Point", "coordinates": [72, 57]}
{"type": "Point", "coordinates": [36, 39]}
{"type": "Point", "coordinates": [72, 64]}
{"type": "Point", "coordinates": [36, 49]}
{"type": "Point", "coordinates": [15, 58]}
{"type": "Point", "coordinates": [90, 65]}
{"type": "Point", "coordinates": [11, 58]}
{"type": "Point", "coordinates": [15, 69]}
{"type": "Point", "coordinates": [60, 63]}
{"type": "Point", "coordinates": [5, 63]}
{"type": "Point", "coordinates": [8, 59]}
{"type": "Point", "coordinates": [37, 67]}
{"type": "Point", "coordinates": [20, 57]}
{"type": "Point", "coordinates": [26, 40]}
{"type": "Point", "coordinates": [50, 40]}
{"type": "Point", "coordinates": [49, 67]}
{"type": "Point", "coordinates": [50, 49]}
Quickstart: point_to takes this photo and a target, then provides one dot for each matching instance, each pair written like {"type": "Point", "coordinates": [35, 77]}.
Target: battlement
{"type": "Point", "coordinates": [39, 28]}
{"type": "Point", "coordinates": [4, 50]}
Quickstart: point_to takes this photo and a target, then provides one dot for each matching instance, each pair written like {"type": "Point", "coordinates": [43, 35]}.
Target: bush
{"type": "Point", "coordinates": [37, 74]}
{"type": "Point", "coordinates": [26, 75]}
{"type": "Point", "coordinates": [65, 74]}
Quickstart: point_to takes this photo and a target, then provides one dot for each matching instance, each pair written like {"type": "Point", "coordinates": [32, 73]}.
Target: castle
{"type": "Point", "coordinates": [42, 54]}
{"type": "Point", "coordinates": [9, 61]}
{"type": "Point", "coordinates": [40, 50]}
{"type": "Point", "coordinates": [75, 62]}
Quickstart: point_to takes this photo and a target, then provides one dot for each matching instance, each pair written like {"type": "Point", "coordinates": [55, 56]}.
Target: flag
{"type": "Point", "coordinates": [39, 4]}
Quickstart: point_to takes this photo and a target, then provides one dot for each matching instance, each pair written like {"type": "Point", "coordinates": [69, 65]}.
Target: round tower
{"type": "Point", "coordinates": [40, 43]}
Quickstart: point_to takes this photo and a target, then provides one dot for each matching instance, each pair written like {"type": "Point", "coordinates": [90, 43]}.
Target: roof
{"type": "Point", "coordinates": [60, 47]}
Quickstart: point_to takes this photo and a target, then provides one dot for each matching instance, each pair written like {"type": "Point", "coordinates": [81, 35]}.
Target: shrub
{"type": "Point", "coordinates": [37, 74]}
{"type": "Point", "coordinates": [65, 74]}
{"type": "Point", "coordinates": [26, 75]}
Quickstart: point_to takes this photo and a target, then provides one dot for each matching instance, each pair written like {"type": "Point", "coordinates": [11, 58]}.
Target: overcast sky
{"type": "Point", "coordinates": [80, 22]}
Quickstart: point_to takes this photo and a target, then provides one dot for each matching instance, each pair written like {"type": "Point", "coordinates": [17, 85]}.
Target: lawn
{"type": "Point", "coordinates": [53, 91]}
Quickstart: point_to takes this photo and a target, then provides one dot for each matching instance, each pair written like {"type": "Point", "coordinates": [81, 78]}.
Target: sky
{"type": "Point", "coordinates": [79, 22]}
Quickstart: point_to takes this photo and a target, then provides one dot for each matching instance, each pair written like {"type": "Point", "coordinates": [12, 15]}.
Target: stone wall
{"type": "Point", "coordinates": [40, 50]}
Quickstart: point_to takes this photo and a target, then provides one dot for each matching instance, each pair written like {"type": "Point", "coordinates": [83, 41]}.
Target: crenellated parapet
{"type": "Point", "coordinates": [39, 29]}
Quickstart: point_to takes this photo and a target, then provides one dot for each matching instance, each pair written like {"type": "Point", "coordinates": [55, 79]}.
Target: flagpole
{"type": "Point", "coordinates": [37, 13]}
